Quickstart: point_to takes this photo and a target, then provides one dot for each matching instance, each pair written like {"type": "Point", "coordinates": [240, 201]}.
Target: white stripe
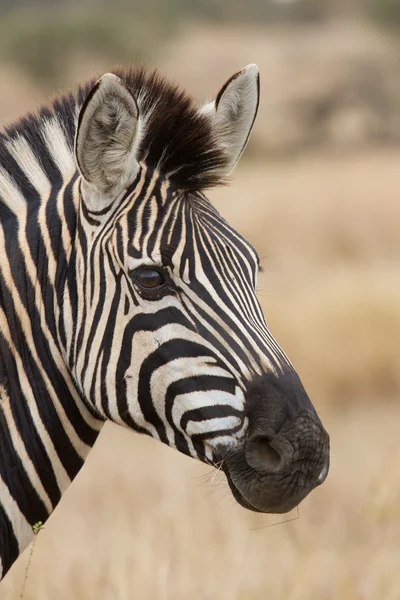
{"type": "Point", "coordinates": [10, 193]}
{"type": "Point", "coordinates": [22, 153]}
{"type": "Point", "coordinates": [211, 425]}
{"type": "Point", "coordinates": [58, 146]}
{"type": "Point", "coordinates": [22, 530]}
{"type": "Point", "coordinates": [193, 400]}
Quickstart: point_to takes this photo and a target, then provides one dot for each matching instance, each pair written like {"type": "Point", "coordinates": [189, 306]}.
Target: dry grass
{"type": "Point", "coordinates": [142, 521]}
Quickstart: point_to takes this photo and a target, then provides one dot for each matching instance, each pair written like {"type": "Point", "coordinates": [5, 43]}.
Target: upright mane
{"type": "Point", "coordinates": [176, 138]}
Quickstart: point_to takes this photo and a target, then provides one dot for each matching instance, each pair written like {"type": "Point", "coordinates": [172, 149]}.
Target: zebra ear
{"type": "Point", "coordinates": [106, 140]}
{"type": "Point", "coordinates": [233, 112]}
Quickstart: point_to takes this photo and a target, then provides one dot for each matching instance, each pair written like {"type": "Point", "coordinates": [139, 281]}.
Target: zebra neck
{"type": "Point", "coordinates": [46, 429]}
{"type": "Point", "coordinates": [46, 434]}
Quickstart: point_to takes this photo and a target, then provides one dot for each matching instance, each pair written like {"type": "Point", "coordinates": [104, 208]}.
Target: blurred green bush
{"type": "Point", "coordinates": [385, 12]}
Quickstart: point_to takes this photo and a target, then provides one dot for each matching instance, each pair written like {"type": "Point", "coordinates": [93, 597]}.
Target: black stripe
{"type": "Point", "coordinates": [9, 549]}
{"type": "Point", "coordinates": [13, 473]}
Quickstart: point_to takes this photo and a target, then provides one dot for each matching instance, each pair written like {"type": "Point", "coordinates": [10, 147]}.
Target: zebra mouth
{"type": "Point", "coordinates": [274, 471]}
{"type": "Point", "coordinates": [240, 499]}
{"type": "Point", "coordinates": [264, 494]}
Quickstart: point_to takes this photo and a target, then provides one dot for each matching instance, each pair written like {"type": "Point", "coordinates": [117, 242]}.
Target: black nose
{"type": "Point", "coordinates": [267, 409]}
{"type": "Point", "coordinates": [286, 450]}
{"type": "Point", "coordinates": [284, 429]}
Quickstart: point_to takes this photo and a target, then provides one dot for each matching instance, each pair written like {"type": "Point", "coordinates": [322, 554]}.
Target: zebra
{"type": "Point", "coordinates": [126, 296]}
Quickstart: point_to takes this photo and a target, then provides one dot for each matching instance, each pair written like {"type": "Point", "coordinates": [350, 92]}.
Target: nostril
{"type": "Point", "coordinates": [261, 455]}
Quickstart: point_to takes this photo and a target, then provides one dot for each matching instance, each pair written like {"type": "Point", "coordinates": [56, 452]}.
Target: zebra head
{"type": "Point", "coordinates": [170, 339]}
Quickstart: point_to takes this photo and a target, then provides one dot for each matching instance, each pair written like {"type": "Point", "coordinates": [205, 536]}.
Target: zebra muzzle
{"type": "Point", "coordinates": [285, 453]}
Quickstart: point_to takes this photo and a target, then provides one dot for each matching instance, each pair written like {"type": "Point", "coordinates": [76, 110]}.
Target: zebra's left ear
{"type": "Point", "coordinates": [106, 140]}
{"type": "Point", "coordinates": [233, 112]}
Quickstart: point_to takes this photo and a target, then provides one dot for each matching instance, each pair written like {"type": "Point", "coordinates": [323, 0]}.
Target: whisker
{"type": "Point", "coordinates": [218, 470]}
{"type": "Point", "coordinates": [279, 522]}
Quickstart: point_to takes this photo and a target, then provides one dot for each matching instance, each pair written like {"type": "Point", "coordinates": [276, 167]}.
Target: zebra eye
{"type": "Point", "coordinates": [149, 279]}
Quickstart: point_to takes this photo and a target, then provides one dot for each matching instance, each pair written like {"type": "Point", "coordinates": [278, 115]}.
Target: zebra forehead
{"type": "Point", "coordinates": [176, 138]}
{"type": "Point", "coordinates": [220, 230]}
{"type": "Point", "coordinates": [196, 215]}
{"type": "Point", "coordinates": [215, 231]}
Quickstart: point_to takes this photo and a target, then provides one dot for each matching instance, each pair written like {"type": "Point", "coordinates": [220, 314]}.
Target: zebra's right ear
{"type": "Point", "coordinates": [106, 140]}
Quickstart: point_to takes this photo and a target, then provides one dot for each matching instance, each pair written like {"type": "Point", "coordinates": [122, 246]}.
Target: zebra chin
{"type": "Point", "coordinates": [284, 453]}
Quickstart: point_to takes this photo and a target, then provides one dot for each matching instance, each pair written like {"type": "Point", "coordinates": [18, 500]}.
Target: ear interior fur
{"type": "Point", "coordinates": [107, 137]}
{"type": "Point", "coordinates": [234, 111]}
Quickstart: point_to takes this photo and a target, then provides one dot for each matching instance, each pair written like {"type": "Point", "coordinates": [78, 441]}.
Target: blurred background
{"type": "Point", "coordinates": [318, 193]}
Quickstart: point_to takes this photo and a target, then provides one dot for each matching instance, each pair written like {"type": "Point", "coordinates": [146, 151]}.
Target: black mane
{"type": "Point", "coordinates": [177, 140]}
